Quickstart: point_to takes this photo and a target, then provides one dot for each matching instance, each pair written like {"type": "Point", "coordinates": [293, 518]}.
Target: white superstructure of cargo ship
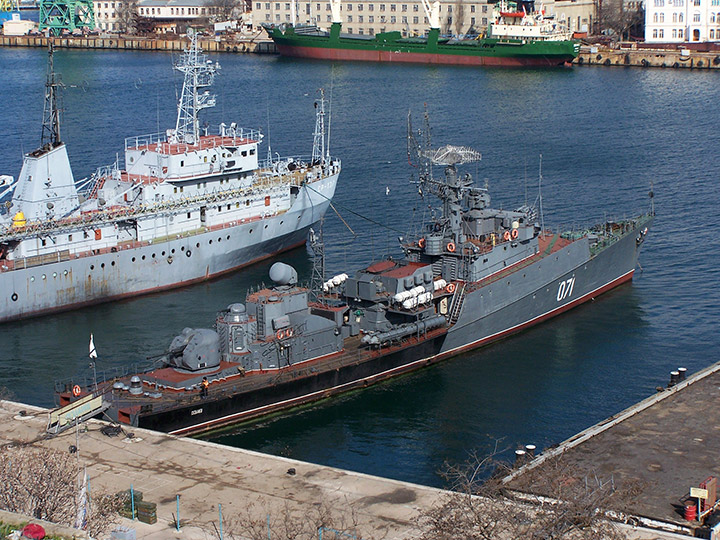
{"type": "Point", "coordinates": [188, 205]}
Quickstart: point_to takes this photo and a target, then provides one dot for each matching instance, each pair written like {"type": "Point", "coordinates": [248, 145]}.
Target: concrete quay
{"type": "Point", "coordinates": [646, 58]}
{"type": "Point", "coordinates": [246, 44]}
{"type": "Point", "coordinates": [667, 443]}
{"type": "Point", "coordinates": [206, 475]}
{"type": "Point", "coordinates": [245, 483]}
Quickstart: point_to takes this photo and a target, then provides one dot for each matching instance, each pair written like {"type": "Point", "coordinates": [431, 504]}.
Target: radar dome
{"type": "Point", "coordinates": [283, 274]}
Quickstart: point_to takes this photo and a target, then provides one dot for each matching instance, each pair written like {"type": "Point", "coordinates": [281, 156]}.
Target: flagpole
{"type": "Point", "coordinates": [93, 356]}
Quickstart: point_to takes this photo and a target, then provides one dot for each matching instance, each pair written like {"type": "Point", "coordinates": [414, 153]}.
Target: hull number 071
{"type": "Point", "coordinates": [565, 289]}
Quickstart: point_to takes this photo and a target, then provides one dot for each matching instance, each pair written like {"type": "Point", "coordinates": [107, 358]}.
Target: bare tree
{"type": "Point", "coordinates": [44, 484]}
{"type": "Point", "coordinates": [458, 17]}
{"type": "Point", "coordinates": [256, 522]}
{"type": "Point", "coordinates": [226, 10]}
{"type": "Point", "coordinates": [620, 17]}
{"type": "Point", "coordinates": [126, 14]}
{"type": "Point", "coordinates": [556, 503]}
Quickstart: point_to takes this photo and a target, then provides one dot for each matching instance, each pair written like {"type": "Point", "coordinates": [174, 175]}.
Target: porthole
{"type": "Point", "coordinates": [112, 263]}
{"type": "Point", "coordinates": [163, 253]}
{"type": "Point", "coordinates": [14, 297]}
{"type": "Point", "coordinates": [54, 274]}
{"type": "Point", "coordinates": [188, 253]}
{"type": "Point", "coordinates": [266, 226]}
{"type": "Point", "coordinates": [282, 222]}
{"type": "Point", "coordinates": [32, 278]}
{"type": "Point", "coordinates": [133, 259]}
{"type": "Point", "coordinates": [197, 245]}
{"type": "Point", "coordinates": [92, 267]}
{"type": "Point", "coordinates": [143, 257]}
{"type": "Point", "coordinates": [153, 255]}
{"type": "Point", "coordinates": [45, 277]}
{"type": "Point", "coordinates": [250, 231]}
{"type": "Point", "coordinates": [65, 273]}
{"type": "Point", "coordinates": [219, 239]}
{"type": "Point", "coordinates": [102, 265]}
{"type": "Point", "coordinates": [210, 242]}
{"type": "Point", "coordinates": [172, 250]}
{"type": "Point", "coordinates": [228, 237]}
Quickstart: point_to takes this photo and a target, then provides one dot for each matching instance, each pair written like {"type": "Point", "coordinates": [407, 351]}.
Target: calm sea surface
{"type": "Point", "coordinates": [604, 134]}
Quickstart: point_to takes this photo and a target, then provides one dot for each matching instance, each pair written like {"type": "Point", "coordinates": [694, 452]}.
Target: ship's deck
{"type": "Point", "coordinates": [206, 142]}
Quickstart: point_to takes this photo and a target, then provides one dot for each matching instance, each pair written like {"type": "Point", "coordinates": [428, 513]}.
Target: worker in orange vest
{"type": "Point", "coordinates": [204, 387]}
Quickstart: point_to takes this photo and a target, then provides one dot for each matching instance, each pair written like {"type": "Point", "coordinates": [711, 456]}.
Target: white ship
{"type": "Point", "coordinates": [188, 206]}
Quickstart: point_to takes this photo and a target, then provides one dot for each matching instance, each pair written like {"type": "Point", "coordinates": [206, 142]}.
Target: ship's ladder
{"type": "Point", "coordinates": [76, 412]}
{"type": "Point", "coordinates": [456, 303]}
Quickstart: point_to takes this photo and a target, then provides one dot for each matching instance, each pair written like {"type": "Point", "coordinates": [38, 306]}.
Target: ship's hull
{"type": "Point", "coordinates": [486, 52]}
{"type": "Point", "coordinates": [162, 265]}
{"type": "Point", "coordinates": [489, 313]}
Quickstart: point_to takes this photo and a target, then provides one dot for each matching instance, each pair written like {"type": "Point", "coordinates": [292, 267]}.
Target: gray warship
{"type": "Point", "coordinates": [473, 275]}
{"type": "Point", "coordinates": [189, 204]}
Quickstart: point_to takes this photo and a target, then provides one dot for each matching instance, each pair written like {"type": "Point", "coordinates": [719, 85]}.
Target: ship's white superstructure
{"type": "Point", "coordinates": [520, 20]}
{"type": "Point", "coordinates": [188, 204]}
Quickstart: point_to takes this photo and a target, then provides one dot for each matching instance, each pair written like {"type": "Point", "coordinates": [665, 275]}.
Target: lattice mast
{"type": "Point", "coordinates": [317, 279]}
{"type": "Point", "coordinates": [50, 135]}
{"type": "Point", "coordinates": [318, 153]}
{"type": "Point", "coordinates": [199, 73]}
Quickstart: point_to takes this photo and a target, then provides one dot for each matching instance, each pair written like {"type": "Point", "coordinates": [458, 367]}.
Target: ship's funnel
{"type": "Point", "coordinates": [283, 274]}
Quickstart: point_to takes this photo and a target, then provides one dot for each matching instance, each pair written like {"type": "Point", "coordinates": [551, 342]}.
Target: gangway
{"type": "Point", "coordinates": [76, 412]}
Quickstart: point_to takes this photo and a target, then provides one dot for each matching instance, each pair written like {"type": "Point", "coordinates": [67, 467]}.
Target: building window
{"type": "Point", "coordinates": [371, 7]}
{"type": "Point", "coordinates": [415, 20]}
{"type": "Point", "coordinates": [360, 7]}
{"type": "Point", "coordinates": [258, 6]}
{"type": "Point", "coordinates": [449, 20]}
{"type": "Point", "coordinates": [472, 21]}
{"type": "Point", "coordinates": [382, 18]}
{"type": "Point", "coordinates": [277, 6]}
{"type": "Point", "coordinates": [696, 17]}
{"type": "Point", "coordinates": [371, 19]}
{"type": "Point", "coordinates": [484, 9]}
{"type": "Point", "coordinates": [350, 30]}
{"type": "Point", "coordinates": [287, 7]}
{"type": "Point", "coordinates": [416, 8]}
{"type": "Point", "coordinates": [712, 33]}
{"type": "Point", "coordinates": [404, 8]}
{"type": "Point", "coordinates": [662, 17]}
{"type": "Point", "coordinates": [449, 9]}
{"type": "Point", "coordinates": [404, 19]}
{"type": "Point", "coordinates": [681, 17]}
{"type": "Point", "coordinates": [360, 18]}
{"type": "Point", "coordinates": [267, 16]}
{"type": "Point", "coordinates": [382, 7]}
{"type": "Point", "coordinates": [277, 17]}
{"type": "Point", "coordinates": [661, 33]}
{"type": "Point", "coordinates": [393, 7]}
{"type": "Point", "coordinates": [327, 7]}
{"type": "Point", "coordinates": [484, 21]}
{"type": "Point", "coordinates": [655, 17]}
{"type": "Point", "coordinates": [349, 18]}
{"type": "Point", "coordinates": [655, 33]}
{"type": "Point", "coordinates": [680, 33]}
{"type": "Point", "coordinates": [371, 31]}
{"type": "Point", "coordinates": [360, 31]}
{"type": "Point", "coordinates": [349, 7]}
{"type": "Point", "coordinates": [393, 19]}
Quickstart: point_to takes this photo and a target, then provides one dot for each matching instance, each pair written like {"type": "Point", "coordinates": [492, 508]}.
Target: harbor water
{"type": "Point", "coordinates": [605, 136]}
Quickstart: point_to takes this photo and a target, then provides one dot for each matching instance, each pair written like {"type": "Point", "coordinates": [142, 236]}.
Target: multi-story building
{"type": "Point", "coordinates": [368, 17]}
{"type": "Point", "coordinates": [166, 13]}
{"type": "Point", "coordinates": [679, 21]}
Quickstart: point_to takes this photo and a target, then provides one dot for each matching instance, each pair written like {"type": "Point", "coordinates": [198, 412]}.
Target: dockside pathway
{"type": "Point", "coordinates": [206, 475]}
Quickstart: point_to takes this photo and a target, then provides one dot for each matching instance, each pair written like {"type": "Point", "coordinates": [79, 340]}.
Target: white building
{"type": "Point", "coordinates": [679, 21]}
{"type": "Point", "coordinates": [368, 17]}
{"type": "Point", "coordinates": [164, 11]}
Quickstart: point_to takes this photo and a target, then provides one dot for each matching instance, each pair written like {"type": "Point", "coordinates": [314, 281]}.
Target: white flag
{"type": "Point", "coordinates": [93, 352]}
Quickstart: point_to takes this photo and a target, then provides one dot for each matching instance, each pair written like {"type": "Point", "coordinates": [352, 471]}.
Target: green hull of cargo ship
{"type": "Point", "coordinates": [306, 42]}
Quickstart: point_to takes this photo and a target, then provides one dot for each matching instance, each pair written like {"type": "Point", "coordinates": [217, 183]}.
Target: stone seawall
{"type": "Point", "coordinates": [661, 58]}
{"type": "Point", "coordinates": [245, 45]}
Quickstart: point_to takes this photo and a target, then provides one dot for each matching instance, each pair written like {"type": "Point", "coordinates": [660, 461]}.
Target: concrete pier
{"type": "Point", "coordinates": [667, 443]}
{"type": "Point", "coordinates": [647, 58]}
{"type": "Point", "coordinates": [206, 475]}
{"type": "Point", "coordinates": [249, 44]}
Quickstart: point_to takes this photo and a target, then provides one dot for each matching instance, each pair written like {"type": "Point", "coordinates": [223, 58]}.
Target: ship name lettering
{"type": "Point", "coordinates": [565, 288]}
{"type": "Point", "coordinates": [194, 412]}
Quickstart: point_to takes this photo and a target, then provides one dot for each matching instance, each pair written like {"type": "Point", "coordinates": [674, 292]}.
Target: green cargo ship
{"type": "Point", "coordinates": [517, 36]}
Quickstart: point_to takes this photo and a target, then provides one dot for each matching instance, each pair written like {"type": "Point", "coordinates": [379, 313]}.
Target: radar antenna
{"type": "Point", "coordinates": [452, 155]}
